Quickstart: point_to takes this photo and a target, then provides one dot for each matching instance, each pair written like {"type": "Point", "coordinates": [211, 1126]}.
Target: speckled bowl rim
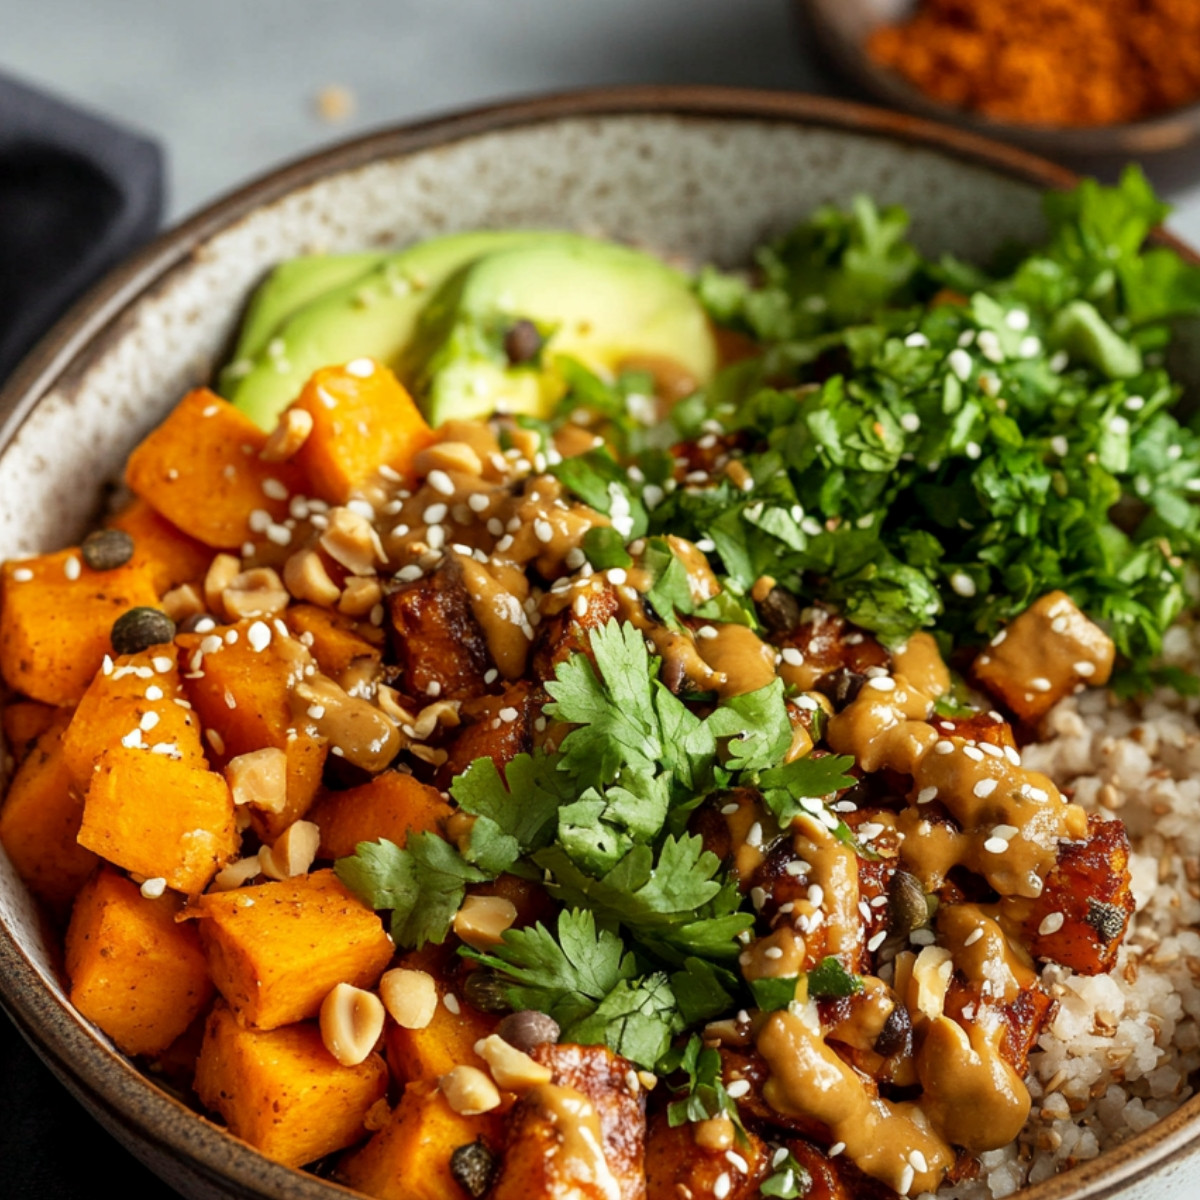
{"type": "Point", "coordinates": [127, 1102]}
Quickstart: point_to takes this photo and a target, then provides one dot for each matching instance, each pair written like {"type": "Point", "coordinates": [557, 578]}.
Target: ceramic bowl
{"type": "Point", "coordinates": [842, 27]}
{"type": "Point", "coordinates": [701, 172]}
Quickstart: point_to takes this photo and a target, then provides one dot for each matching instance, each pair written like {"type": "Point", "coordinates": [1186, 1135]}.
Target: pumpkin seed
{"type": "Point", "coordinates": [140, 628]}
{"type": "Point", "coordinates": [107, 549]}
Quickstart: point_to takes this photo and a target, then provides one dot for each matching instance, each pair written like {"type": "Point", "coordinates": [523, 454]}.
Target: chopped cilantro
{"type": "Point", "coordinates": [705, 1095]}
{"type": "Point", "coordinates": [800, 786]}
{"type": "Point", "coordinates": [830, 979]}
{"type": "Point", "coordinates": [788, 1178]}
{"type": "Point", "coordinates": [773, 994]}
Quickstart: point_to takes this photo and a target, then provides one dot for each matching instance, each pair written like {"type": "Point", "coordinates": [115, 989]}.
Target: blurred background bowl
{"type": "Point", "coordinates": [1165, 143]}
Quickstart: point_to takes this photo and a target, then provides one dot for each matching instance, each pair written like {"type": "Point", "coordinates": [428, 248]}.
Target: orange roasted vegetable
{"type": "Point", "coordinates": [134, 970]}
{"type": "Point", "coordinates": [201, 471]}
{"type": "Point", "coordinates": [391, 806]}
{"type": "Point", "coordinates": [172, 557]}
{"type": "Point", "coordinates": [24, 721]}
{"type": "Point", "coordinates": [159, 817]}
{"type": "Point", "coordinates": [409, 1158]}
{"type": "Point", "coordinates": [133, 699]}
{"type": "Point", "coordinates": [56, 619]}
{"type": "Point", "coordinates": [39, 821]}
{"type": "Point", "coordinates": [689, 1159]}
{"type": "Point", "coordinates": [363, 419]}
{"type": "Point", "coordinates": [276, 950]}
{"type": "Point", "coordinates": [337, 642]}
{"type": "Point", "coordinates": [282, 1091]}
{"type": "Point", "coordinates": [449, 1039]}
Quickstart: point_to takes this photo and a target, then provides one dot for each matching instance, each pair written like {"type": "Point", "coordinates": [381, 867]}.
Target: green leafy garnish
{"type": "Point", "coordinates": [704, 1095]}
{"type": "Point", "coordinates": [829, 979]}
{"type": "Point", "coordinates": [788, 1179]}
{"type": "Point", "coordinates": [773, 994]}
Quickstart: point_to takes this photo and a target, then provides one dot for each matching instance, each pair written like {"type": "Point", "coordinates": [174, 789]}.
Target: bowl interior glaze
{"type": "Point", "coordinates": [701, 173]}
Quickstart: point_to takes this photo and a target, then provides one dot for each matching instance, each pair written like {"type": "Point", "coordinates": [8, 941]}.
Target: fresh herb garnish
{"type": "Point", "coordinates": [704, 1096]}
{"type": "Point", "coordinates": [829, 979]}
{"type": "Point", "coordinates": [788, 1178]}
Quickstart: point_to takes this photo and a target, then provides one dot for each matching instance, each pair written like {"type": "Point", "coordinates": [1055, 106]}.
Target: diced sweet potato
{"type": "Point", "coordinates": [282, 1091]}
{"type": "Point", "coordinates": [23, 721]}
{"type": "Point", "coordinates": [448, 1041]}
{"type": "Point", "coordinates": [547, 1157]}
{"type": "Point", "coordinates": [56, 621]}
{"type": "Point", "coordinates": [171, 556]}
{"type": "Point", "coordinates": [409, 1159]}
{"type": "Point", "coordinates": [201, 471]}
{"type": "Point", "coordinates": [391, 806]}
{"type": "Point", "coordinates": [363, 419]}
{"type": "Point", "coordinates": [238, 691]}
{"type": "Point", "coordinates": [276, 950]}
{"type": "Point", "coordinates": [1046, 653]}
{"type": "Point", "coordinates": [439, 645]}
{"type": "Point", "coordinates": [159, 817]}
{"type": "Point", "coordinates": [677, 1165]}
{"type": "Point", "coordinates": [337, 641]}
{"type": "Point", "coordinates": [134, 701]}
{"type": "Point", "coordinates": [495, 727]}
{"type": "Point", "coordinates": [1081, 916]}
{"type": "Point", "coordinates": [40, 819]}
{"type": "Point", "coordinates": [134, 970]}
{"type": "Point", "coordinates": [569, 631]}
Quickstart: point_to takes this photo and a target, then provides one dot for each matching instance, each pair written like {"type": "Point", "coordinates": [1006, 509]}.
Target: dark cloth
{"type": "Point", "coordinates": [77, 195]}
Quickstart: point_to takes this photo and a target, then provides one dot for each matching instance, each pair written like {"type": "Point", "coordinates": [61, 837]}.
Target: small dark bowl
{"type": "Point", "coordinates": [841, 29]}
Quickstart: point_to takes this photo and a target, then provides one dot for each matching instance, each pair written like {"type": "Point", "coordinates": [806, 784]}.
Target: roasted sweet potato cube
{"type": "Point", "coordinates": [201, 471]}
{"type": "Point", "coordinates": [568, 632]}
{"type": "Point", "coordinates": [134, 970]}
{"type": "Point", "coordinates": [439, 644]}
{"type": "Point", "coordinates": [132, 701]}
{"type": "Point", "coordinates": [159, 817]}
{"type": "Point", "coordinates": [338, 642]}
{"type": "Point", "coordinates": [170, 555]}
{"type": "Point", "coordinates": [282, 1091]}
{"type": "Point", "coordinates": [1046, 653]}
{"type": "Point", "coordinates": [409, 1158]}
{"type": "Point", "coordinates": [589, 1089]}
{"type": "Point", "coordinates": [392, 806]}
{"type": "Point", "coordinates": [39, 822]}
{"type": "Point", "coordinates": [277, 949]}
{"type": "Point", "coordinates": [449, 1039]}
{"type": "Point", "coordinates": [56, 619]}
{"type": "Point", "coordinates": [1081, 916]}
{"type": "Point", "coordinates": [363, 419]}
{"type": "Point", "coordinates": [495, 727]}
{"type": "Point", "coordinates": [23, 721]}
{"type": "Point", "coordinates": [241, 693]}
{"type": "Point", "coordinates": [677, 1165]}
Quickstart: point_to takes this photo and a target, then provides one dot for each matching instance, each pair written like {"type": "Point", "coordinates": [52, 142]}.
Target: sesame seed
{"type": "Point", "coordinates": [794, 868]}
{"type": "Point", "coordinates": [990, 750]}
{"type": "Point", "coordinates": [882, 683]}
{"type": "Point", "coordinates": [984, 788]}
{"type": "Point", "coordinates": [706, 631]}
{"type": "Point", "coordinates": [1135, 403]}
{"type": "Point", "coordinates": [72, 568]}
{"type": "Point", "coordinates": [962, 583]}
{"type": "Point", "coordinates": [1086, 669]}
{"type": "Point", "coordinates": [434, 514]}
{"type": "Point", "coordinates": [508, 715]}
{"type": "Point", "coordinates": [490, 675]}
{"type": "Point", "coordinates": [836, 1149]}
{"type": "Point", "coordinates": [910, 422]}
{"type": "Point", "coordinates": [259, 636]}
{"type": "Point", "coordinates": [617, 576]}
{"type": "Point", "coordinates": [1012, 756]}
{"type": "Point", "coordinates": [1040, 684]}
{"type": "Point", "coordinates": [215, 740]}
{"type": "Point", "coordinates": [973, 753]}
{"type": "Point", "coordinates": [362, 368]}
{"type": "Point", "coordinates": [440, 482]}
{"type": "Point", "coordinates": [973, 450]}
{"type": "Point", "coordinates": [943, 747]}
{"type": "Point", "coordinates": [916, 341]}
{"type": "Point", "coordinates": [133, 740]}
{"type": "Point", "coordinates": [917, 1159]}
{"type": "Point", "coordinates": [758, 898]}
{"type": "Point", "coordinates": [210, 644]}
{"type": "Point", "coordinates": [754, 835]}
{"type": "Point", "coordinates": [148, 721]}
{"type": "Point", "coordinates": [1051, 924]}
{"type": "Point", "coordinates": [1017, 319]}
{"type": "Point", "coordinates": [161, 663]}
{"type": "Point", "coordinates": [22, 575]}
{"type": "Point", "coordinates": [722, 1185]}
{"type": "Point", "coordinates": [728, 810]}
{"type": "Point", "coordinates": [877, 940]}
{"type": "Point", "coordinates": [274, 490]}
{"type": "Point", "coordinates": [927, 794]}
{"type": "Point", "coordinates": [435, 535]}
{"type": "Point", "coordinates": [737, 1089]}
{"type": "Point", "coordinates": [772, 952]}
{"type": "Point", "coordinates": [1119, 425]}
{"type": "Point", "coordinates": [989, 346]}
{"type": "Point", "coordinates": [973, 936]}
{"type": "Point", "coordinates": [995, 845]}
{"type": "Point", "coordinates": [735, 1160]}
{"type": "Point", "coordinates": [153, 888]}
{"type": "Point", "coordinates": [1030, 347]}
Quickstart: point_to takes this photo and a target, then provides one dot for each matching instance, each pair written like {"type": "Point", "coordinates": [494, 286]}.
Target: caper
{"type": "Point", "coordinates": [522, 342]}
{"type": "Point", "coordinates": [486, 991]}
{"type": "Point", "coordinates": [473, 1167]}
{"type": "Point", "coordinates": [896, 1035]}
{"type": "Point", "coordinates": [527, 1029]}
{"type": "Point", "coordinates": [140, 628]}
{"type": "Point", "coordinates": [106, 549]}
{"type": "Point", "coordinates": [907, 907]}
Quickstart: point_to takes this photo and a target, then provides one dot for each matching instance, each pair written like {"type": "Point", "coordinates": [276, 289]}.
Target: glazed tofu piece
{"type": "Point", "coordinates": [1047, 653]}
{"type": "Point", "coordinates": [439, 644]}
{"type": "Point", "coordinates": [690, 1159]}
{"type": "Point", "coordinates": [579, 1137]}
{"type": "Point", "coordinates": [495, 727]}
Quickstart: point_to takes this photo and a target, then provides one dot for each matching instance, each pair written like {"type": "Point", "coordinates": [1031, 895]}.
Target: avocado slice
{"type": "Point", "coordinates": [369, 314]}
{"type": "Point", "coordinates": [289, 287]}
{"type": "Point", "coordinates": [596, 301]}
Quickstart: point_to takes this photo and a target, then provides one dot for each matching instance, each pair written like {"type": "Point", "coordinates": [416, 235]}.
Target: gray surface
{"type": "Point", "coordinates": [229, 86]}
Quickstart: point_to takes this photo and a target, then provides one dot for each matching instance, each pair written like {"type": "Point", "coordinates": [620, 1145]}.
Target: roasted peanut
{"type": "Point", "coordinates": [351, 1022]}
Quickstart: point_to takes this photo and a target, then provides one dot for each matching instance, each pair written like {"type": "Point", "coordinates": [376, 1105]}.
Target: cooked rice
{"type": "Point", "coordinates": [1121, 1048]}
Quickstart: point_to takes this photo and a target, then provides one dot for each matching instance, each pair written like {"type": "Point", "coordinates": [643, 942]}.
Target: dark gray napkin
{"type": "Point", "coordinates": [77, 195]}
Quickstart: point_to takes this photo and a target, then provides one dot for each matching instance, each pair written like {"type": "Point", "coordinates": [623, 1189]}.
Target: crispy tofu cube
{"type": "Point", "coordinates": [276, 950]}
{"type": "Point", "coordinates": [134, 970]}
{"type": "Point", "coordinates": [409, 1159]}
{"type": "Point", "coordinates": [56, 619]}
{"type": "Point", "coordinates": [392, 806]}
{"type": "Point", "coordinates": [282, 1091]}
{"type": "Point", "coordinates": [1048, 652]}
{"type": "Point", "coordinates": [548, 1157]}
{"type": "Point", "coordinates": [40, 819]}
{"type": "Point", "coordinates": [159, 817]}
